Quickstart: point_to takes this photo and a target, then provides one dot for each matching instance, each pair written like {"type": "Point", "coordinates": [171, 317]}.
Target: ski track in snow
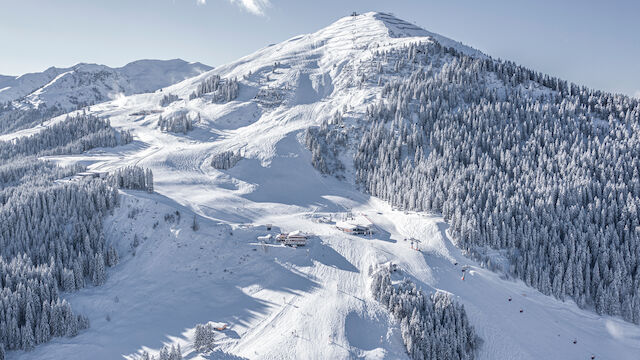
{"type": "Point", "coordinates": [282, 303]}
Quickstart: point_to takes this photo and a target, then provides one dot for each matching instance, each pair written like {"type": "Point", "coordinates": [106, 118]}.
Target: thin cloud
{"type": "Point", "coordinates": [256, 7]}
{"type": "Point", "coordinates": [637, 94]}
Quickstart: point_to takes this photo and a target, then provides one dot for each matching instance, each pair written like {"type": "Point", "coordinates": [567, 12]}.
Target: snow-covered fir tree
{"type": "Point", "coordinates": [133, 178]}
{"type": "Point", "coordinates": [433, 327]}
{"type": "Point", "coordinates": [176, 123]}
{"type": "Point", "coordinates": [225, 160]}
{"type": "Point", "coordinates": [168, 99]}
{"type": "Point", "coordinates": [219, 90]}
{"type": "Point", "coordinates": [166, 353]}
{"type": "Point", "coordinates": [204, 338]}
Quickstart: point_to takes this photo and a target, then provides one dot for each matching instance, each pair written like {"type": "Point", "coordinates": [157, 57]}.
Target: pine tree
{"type": "Point", "coordinates": [112, 256]}
{"type": "Point", "coordinates": [194, 225]}
{"type": "Point", "coordinates": [99, 273]}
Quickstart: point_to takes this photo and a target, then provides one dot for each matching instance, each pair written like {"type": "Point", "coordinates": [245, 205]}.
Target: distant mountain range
{"type": "Point", "coordinates": [84, 84]}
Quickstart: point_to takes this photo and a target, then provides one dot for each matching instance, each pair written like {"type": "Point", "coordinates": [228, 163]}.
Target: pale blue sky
{"type": "Point", "coordinates": [595, 43]}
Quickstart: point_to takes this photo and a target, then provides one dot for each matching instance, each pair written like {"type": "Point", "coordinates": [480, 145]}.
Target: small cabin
{"type": "Point", "coordinates": [351, 228]}
{"type": "Point", "coordinates": [297, 238]}
{"type": "Point", "coordinates": [358, 225]}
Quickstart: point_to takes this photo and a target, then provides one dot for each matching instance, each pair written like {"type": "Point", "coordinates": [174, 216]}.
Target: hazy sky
{"type": "Point", "coordinates": [595, 43]}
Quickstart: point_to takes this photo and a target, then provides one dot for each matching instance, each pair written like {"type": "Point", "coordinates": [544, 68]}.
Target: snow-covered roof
{"type": "Point", "coordinates": [345, 225]}
{"type": "Point", "coordinates": [357, 221]}
{"type": "Point", "coordinates": [353, 224]}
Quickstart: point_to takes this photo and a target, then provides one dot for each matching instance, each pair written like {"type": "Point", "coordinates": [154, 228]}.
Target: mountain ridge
{"type": "Point", "coordinates": [30, 86]}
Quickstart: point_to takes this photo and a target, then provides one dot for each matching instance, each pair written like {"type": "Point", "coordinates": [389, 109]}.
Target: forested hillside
{"type": "Point", "coordinates": [13, 117]}
{"type": "Point", "coordinates": [515, 160]}
{"type": "Point", "coordinates": [74, 135]}
{"type": "Point", "coordinates": [52, 235]}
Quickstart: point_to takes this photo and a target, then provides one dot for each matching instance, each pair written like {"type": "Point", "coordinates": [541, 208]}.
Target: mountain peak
{"type": "Point", "coordinates": [395, 27]}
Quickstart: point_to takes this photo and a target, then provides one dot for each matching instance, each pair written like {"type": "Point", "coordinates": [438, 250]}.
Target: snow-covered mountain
{"type": "Point", "coordinates": [91, 83]}
{"type": "Point", "coordinates": [283, 136]}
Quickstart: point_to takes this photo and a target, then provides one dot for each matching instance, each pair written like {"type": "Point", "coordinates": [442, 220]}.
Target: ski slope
{"type": "Point", "coordinates": [309, 302]}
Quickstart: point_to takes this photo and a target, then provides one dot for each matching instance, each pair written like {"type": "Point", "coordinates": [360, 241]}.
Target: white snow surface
{"type": "Point", "coordinates": [308, 302]}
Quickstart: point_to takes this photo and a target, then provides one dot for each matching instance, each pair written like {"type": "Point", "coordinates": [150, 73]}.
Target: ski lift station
{"type": "Point", "coordinates": [358, 225]}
